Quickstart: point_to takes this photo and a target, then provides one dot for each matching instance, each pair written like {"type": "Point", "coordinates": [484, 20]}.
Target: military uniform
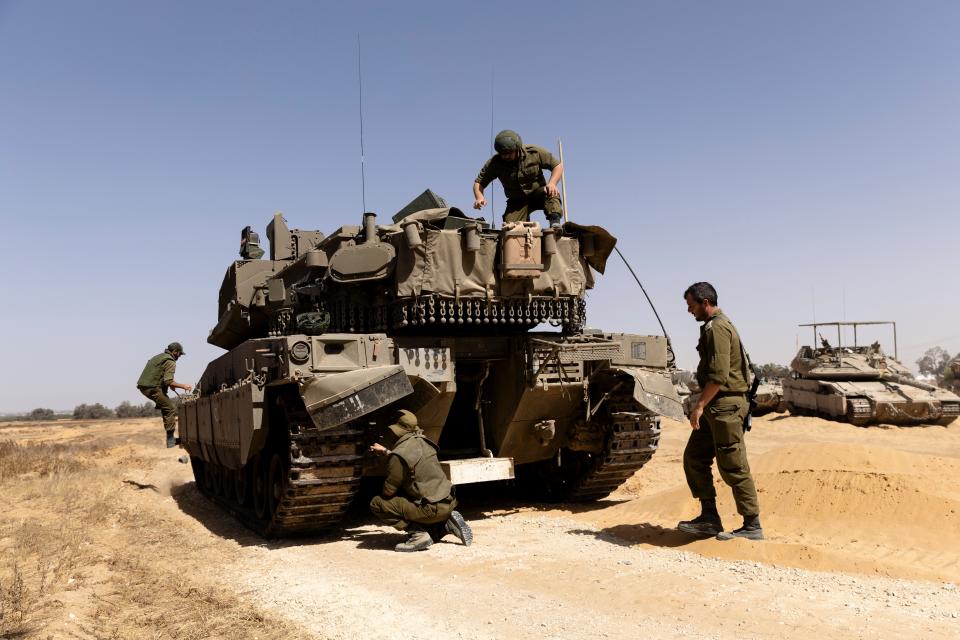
{"type": "Point", "coordinates": [523, 182]}
{"type": "Point", "coordinates": [417, 496]}
{"type": "Point", "coordinates": [418, 489]}
{"type": "Point", "coordinates": [154, 382]}
{"type": "Point", "coordinates": [723, 362]}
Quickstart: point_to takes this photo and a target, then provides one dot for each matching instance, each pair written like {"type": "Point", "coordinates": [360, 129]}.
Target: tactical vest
{"type": "Point", "coordinates": [426, 481]}
{"type": "Point", "coordinates": [152, 375]}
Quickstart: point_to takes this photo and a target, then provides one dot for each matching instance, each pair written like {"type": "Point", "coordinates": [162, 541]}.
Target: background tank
{"type": "Point", "coordinates": [862, 385]}
{"type": "Point", "coordinates": [331, 335]}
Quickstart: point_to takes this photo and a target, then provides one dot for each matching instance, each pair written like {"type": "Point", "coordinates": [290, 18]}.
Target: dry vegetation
{"type": "Point", "coordinates": [79, 560]}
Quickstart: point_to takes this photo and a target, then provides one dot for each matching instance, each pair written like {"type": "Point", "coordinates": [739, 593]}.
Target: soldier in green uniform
{"type": "Point", "coordinates": [156, 378]}
{"type": "Point", "coordinates": [717, 422]}
{"type": "Point", "coordinates": [417, 497]}
{"type": "Point", "coordinates": [519, 168]}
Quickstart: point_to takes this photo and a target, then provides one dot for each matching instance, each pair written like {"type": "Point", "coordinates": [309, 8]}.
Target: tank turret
{"type": "Point", "coordinates": [434, 313]}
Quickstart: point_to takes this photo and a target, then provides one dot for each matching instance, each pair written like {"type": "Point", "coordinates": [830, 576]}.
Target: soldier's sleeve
{"type": "Point", "coordinates": [169, 368]}
{"type": "Point", "coordinates": [547, 159]}
{"type": "Point", "coordinates": [719, 338]}
{"type": "Point", "coordinates": [485, 176]}
{"type": "Point", "coordinates": [394, 479]}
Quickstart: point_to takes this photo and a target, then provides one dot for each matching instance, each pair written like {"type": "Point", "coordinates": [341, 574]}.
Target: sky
{"type": "Point", "coordinates": [802, 157]}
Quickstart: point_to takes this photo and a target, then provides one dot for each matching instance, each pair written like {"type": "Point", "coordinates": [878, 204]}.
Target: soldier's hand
{"type": "Point", "coordinates": [695, 414]}
{"type": "Point", "coordinates": [188, 388]}
{"type": "Point", "coordinates": [479, 203]}
{"type": "Point", "coordinates": [552, 191]}
{"type": "Point", "coordinates": [376, 447]}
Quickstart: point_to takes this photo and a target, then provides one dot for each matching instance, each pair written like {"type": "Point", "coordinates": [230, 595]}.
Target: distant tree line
{"type": "Point", "coordinates": [94, 411]}
{"type": "Point", "coordinates": [123, 410]}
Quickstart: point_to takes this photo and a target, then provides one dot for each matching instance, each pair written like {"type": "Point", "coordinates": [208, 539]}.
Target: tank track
{"type": "Point", "coordinates": [318, 476]}
{"type": "Point", "coordinates": [859, 411]}
{"type": "Point", "coordinates": [634, 438]}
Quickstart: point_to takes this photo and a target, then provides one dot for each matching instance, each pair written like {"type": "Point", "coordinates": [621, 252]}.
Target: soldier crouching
{"type": "Point", "coordinates": [417, 497]}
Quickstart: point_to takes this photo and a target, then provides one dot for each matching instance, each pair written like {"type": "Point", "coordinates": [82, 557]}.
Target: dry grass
{"type": "Point", "coordinates": [80, 556]}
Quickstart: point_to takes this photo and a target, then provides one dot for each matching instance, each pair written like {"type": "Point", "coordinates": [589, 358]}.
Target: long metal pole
{"type": "Point", "coordinates": [563, 183]}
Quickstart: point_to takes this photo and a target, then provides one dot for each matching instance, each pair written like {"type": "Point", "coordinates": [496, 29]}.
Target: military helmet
{"type": "Point", "coordinates": [176, 346]}
{"type": "Point", "coordinates": [507, 141]}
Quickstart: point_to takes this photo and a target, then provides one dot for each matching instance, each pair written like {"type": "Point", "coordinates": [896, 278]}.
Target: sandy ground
{"type": "Point", "coordinates": [862, 525]}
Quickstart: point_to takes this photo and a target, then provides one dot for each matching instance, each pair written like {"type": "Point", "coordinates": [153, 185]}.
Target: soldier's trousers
{"type": "Point", "coordinates": [400, 512]}
{"type": "Point", "coordinates": [720, 436]}
{"type": "Point", "coordinates": [167, 410]}
{"type": "Point", "coordinates": [519, 209]}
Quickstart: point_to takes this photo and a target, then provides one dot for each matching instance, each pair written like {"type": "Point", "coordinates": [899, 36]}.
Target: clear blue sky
{"type": "Point", "coordinates": [803, 157]}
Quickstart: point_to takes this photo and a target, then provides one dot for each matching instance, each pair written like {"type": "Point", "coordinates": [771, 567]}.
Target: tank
{"type": "Point", "coordinates": [769, 398]}
{"type": "Point", "coordinates": [480, 332]}
{"type": "Point", "coordinates": [952, 375]}
{"type": "Point", "coordinates": [862, 385]}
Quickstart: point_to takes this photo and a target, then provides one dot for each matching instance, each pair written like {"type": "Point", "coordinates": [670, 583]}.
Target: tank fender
{"type": "Point", "coordinates": [337, 398]}
{"type": "Point", "coordinates": [655, 391]}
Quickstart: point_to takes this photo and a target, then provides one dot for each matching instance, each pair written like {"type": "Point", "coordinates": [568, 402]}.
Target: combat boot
{"type": "Point", "coordinates": [457, 526]}
{"type": "Point", "coordinates": [751, 530]}
{"type": "Point", "coordinates": [707, 524]}
{"type": "Point", "coordinates": [171, 440]}
{"type": "Point", "coordinates": [419, 540]}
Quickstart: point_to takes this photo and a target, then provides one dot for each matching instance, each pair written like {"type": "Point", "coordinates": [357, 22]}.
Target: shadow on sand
{"type": "Point", "coordinates": [477, 502]}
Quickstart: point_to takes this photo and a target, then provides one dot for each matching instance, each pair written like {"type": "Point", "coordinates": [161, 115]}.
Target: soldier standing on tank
{"type": "Point", "coordinates": [417, 496]}
{"type": "Point", "coordinates": [717, 422]}
{"type": "Point", "coordinates": [157, 376]}
{"type": "Point", "coordinates": [519, 168]}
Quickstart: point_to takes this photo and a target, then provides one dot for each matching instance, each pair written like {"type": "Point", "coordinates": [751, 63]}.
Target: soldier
{"type": "Point", "coordinates": [717, 422]}
{"type": "Point", "coordinates": [426, 507]}
{"type": "Point", "coordinates": [519, 168]}
{"type": "Point", "coordinates": [157, 376]}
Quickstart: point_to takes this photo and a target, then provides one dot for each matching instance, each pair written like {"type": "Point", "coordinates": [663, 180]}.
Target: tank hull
{"type": "Point", "coordinates": [281, 440]}
{"type": "Point", "coordinates": [865, 402]}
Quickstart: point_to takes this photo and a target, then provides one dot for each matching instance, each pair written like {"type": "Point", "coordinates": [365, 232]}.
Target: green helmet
{"type": "Point", "coordinates": [507, 141]}
{"type": "Point", "coordinates": [176, 346]}
{"type": "Point", "coordinates": [405, 422]}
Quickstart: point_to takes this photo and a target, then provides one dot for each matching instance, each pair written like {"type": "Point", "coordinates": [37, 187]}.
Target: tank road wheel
{"type": "Point", "coordinates": [199, 472]}
{"type": "Point", "coordinates": [241, 485]}
{"type": "Point", "coordinates": [277, 482]}
{"type": "Point", "coordinates": [261, 504]}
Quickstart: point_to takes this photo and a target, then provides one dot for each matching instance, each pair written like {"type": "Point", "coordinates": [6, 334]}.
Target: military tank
{"type": "Point", "coordinates": [952, 375]}
{"type": "Point", "coordinates": [862, 384]}
{"type": "Point", "coordinates": [769, 398]}
{"type": "Point", "coordinates": [328, 336]}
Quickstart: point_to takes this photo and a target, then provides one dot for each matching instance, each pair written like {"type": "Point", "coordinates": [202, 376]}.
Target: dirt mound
{"type": "Point", "coordinates": [829, 505]}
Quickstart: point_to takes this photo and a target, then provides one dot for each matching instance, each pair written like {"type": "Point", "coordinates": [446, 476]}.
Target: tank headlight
{"type": "Point", "coordinates": [300, 351]}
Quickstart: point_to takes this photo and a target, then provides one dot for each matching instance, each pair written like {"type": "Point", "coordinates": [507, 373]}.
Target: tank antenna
{"type": "Point", "coordinates": [563, 186]}
{"type": "Point", "coordinates": [493, 207]}
{"type": "Point", "coordinates": [649, 301]}
{"type": "Point", "coordinates": [363, 177]}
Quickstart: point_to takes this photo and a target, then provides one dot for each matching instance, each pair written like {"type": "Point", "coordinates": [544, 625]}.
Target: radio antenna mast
{"type": "Point", "coordinates": [363, 177]}
{"type": "Point", "coordinates": [493, 207]}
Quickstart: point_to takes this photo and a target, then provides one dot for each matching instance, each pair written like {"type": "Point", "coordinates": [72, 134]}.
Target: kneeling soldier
{"type": "Point", "coordinates": [417, 496]}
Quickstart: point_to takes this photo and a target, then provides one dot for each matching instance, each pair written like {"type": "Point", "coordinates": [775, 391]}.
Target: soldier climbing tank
{"type": "Point", "coordinates": [862, 385]}
{"type": "Point", "coordinates": [329, 336]}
